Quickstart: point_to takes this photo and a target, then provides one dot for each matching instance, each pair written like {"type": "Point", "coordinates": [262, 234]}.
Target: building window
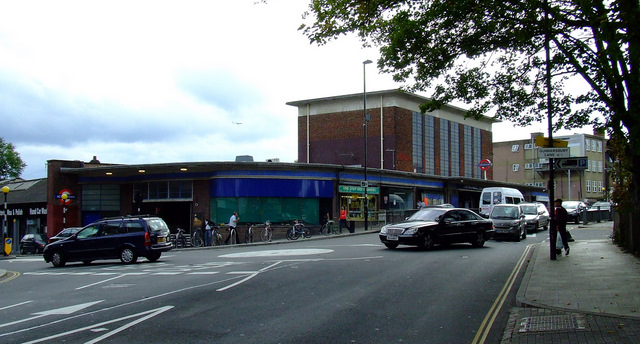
{"type": "Point", "coordinates": [599, 146]}
{"type": "Point", "coordinates": [594, 166]}
{"type": "Point", "coordinates": [593, 145]}
{"type": "Point", "coordinates": [587, 144]}
{"type": "Point", "coordinates": [468, 152]}
{"type": "Point", "coordinates": [516, 167]}
{"type": "Point", "coordinates": [528, 146]}
{"type": "Point", "coordinates": [455, 149]}
{"type": "Point", "coordinates": [444, 147]}
{"type": "Point", "coordinates": [429, 145]}
{"type": "Point", "coordinates": [477, 151]}
{"type": "Point", "coordinates": [588, 186]}
{"type": "Point", "coordinates": [528, 166]}
{"type": "Point", "coordinates": [418, 164]}
{"type": "Point", "coordinates": [515, 148]}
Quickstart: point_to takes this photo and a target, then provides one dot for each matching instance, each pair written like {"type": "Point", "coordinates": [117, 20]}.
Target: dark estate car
{"type": "Point", "coordinates": [126, 238]}
{"type": "Point", "coordinates": [431, 226]}
{"type": "Point", "coordinates": [65, 233]}
{"type": "Point", "coordinates": [33, 243]}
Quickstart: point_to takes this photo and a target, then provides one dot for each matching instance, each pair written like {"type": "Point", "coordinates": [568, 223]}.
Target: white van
{"type": "Point", "coordinates": [492, 196]}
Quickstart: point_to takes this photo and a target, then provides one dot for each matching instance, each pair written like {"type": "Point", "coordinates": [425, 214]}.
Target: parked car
{"type": "Point", "coordinates": [126, 238]}
{"type": "Point", "coordinates": [33, 243]}
{"type": "Point", "coordinates": [535, 216]}
{"type": "Point", "coordinates": [431, 226]}
{"type": "Point", "coordinates": [600, 206]}
{"type": "Point", "coordinates": [65, 233]}
{"type": "Point", "coordinates": [575, 210]}
{"type": "Point", "coordinates": [509, 221]}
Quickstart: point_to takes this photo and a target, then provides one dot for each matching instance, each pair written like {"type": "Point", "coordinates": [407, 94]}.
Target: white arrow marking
{"type": "Point", "coordinates": [58, 311]}
{"type": "Point", "coordinates": [147, 315]}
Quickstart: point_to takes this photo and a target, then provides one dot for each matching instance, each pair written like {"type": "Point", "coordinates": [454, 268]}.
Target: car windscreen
{"type": "Point", "coordinates": [530, 209]}
{"type": "Point", "coordinates": [570, 205]}
{"type": "Point", "coordinates": [157, 225]}
{"type": "Point", "coordinates": [504, 213]}
{"type": "Point", "coordinates": [431, 214]}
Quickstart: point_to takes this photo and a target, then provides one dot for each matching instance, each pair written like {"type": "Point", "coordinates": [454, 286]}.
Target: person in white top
{"type": "Point", "coordinates": [233, 222]}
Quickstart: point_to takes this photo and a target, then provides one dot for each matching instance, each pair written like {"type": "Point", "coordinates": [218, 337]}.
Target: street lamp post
{"type": "Point", "coordinates": [5, 228]}
{"type": "Point", "coordinates": [365, 120]}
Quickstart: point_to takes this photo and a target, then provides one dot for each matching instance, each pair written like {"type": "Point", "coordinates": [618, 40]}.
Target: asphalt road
{"type": "Point", "coordinates": [342, 290]}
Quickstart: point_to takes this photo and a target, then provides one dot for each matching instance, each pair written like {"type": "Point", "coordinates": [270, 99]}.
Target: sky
{"type": "Point", "coordinates": [137, 82]}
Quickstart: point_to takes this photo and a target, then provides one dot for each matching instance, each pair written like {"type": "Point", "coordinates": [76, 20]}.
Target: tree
{"type": "Point", "coordinates": [11, 165]}
{"type": "Point", "coordinates": [491, 55]}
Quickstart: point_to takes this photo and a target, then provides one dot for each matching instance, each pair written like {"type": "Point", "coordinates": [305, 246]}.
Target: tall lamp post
{"type": "Point", "coordinates": [64, 210]}
{"type": "Point", "coordinates": [365, 120]}
{"type": "Point", "coordinates": [5, 228]}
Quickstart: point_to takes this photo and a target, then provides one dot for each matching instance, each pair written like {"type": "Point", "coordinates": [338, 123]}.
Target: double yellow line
{"type": "Point", "coordinates": [489, 319]}
{"type": "Point", "coordinates": [9, 276]}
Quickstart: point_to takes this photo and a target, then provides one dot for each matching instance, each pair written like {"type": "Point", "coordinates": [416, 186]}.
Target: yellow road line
{"type": "Point", "coordinates": [10, 275]}
{"type": "Point", "coordinates": [487, 323]}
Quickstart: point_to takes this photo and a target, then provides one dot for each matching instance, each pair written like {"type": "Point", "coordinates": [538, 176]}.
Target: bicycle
{"type": "Point", "coordinates": [248, 238]}
{"type": "Point", "coordinates": [179, 239]}
{"type": "Point", "coordinates": [297, 230]}
{"type": "Point", "coordinates": [328, 228]}
{"type": "Point", "coordinates": [216, 236]}
{"type": "Point", "coordinates": [266, 234]}
{"type": "Point", "coordinates": [197, 238]}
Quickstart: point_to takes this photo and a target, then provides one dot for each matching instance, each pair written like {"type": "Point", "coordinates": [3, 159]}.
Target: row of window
{"type": "Point", "coordinates": [589, 145]}
{"type": "Point", "coordinates": [595, 186]}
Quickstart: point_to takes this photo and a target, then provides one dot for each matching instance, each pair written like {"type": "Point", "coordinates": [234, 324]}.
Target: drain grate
{"type": "Point", "coordinates": [553, 323]}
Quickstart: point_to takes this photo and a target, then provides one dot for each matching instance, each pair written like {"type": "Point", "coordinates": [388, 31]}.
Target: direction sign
{"type": "Point", "coordinates": [553, 153]}
{"type": "Point", "coordinates": [542, 141]}
{"type": "Point", "coordinates": [572, 163]}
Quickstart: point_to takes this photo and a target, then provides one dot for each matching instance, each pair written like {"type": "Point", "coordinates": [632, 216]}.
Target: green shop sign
{"type": "Point", "coordinates": [358, 189]}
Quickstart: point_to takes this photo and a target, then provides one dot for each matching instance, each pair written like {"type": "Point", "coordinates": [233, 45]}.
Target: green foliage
{"type": "Point", "coordinates": [11, 165]}
{"type": "Point", "coordinates": [490, 54]}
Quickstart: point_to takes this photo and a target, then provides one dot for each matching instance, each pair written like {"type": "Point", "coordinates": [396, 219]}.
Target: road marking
{"type": "Point", "coordinates": [278, 253]}
{"type": "Point", "coordinates": [59, 311]}
{"type": "Point", "coordinates": [107, 280]}
{"type": "Point", "coordinates": [16, 305]}
{"type": "Point", "coordinates": [251, 274]}
{"type": "Point", "coordinates": [147, 315]}
{"type": "Point", "coordinates": [483, 331]}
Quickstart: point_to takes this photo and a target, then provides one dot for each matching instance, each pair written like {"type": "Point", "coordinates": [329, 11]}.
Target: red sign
{"type": "Point", "coordinates": [485, 164]}
{"type": "Point", "coordinates": [65, 200]}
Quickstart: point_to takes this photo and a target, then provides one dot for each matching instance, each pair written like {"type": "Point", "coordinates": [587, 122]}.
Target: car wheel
{"type": "Point", "coordinates": [524, 233]}
{"type": "Point", "coordinates": [128, 255]}
{"type": "Point", "coordinates": [58, 260]}
{"type": "Point", "coordinates": [479, 241]}
{"type": "Point", "coordinates": [537, 226]}
{"type": "Point", "coordinates": [427, 241]}
{"type": "Point", "coordinates": [21, 250]}
{"type": "Point", "coordinates": [391, 246]}
{"type": "Point", "coordinates": [152, 257]}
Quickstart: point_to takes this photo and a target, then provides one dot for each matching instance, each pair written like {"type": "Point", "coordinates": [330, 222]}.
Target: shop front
{"type": "Point", "coordinates": [352, 198]}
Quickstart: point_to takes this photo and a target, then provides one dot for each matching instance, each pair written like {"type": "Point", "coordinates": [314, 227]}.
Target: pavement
{"type": "Point", "coordinates": [590, 296]}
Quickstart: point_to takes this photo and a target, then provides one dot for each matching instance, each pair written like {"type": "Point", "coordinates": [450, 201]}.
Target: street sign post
{"type": "Point", "coordinates": [553, 153]}
{"type": "Point", "coordinates": [542, 141]}
{"type": "Point", "coordinates": [572, 163]}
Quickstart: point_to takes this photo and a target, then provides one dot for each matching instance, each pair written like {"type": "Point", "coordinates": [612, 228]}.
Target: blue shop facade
{"type": "Point", "coordinates": [184, 194]}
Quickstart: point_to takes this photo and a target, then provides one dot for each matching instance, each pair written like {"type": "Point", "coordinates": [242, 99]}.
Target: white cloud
{"type": "Point", "coordinates": [161, 81]}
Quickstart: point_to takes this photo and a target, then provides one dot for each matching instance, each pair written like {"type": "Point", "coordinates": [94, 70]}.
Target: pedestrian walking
{"type": "Point", "coordinates": [561, 220]}
{"type": "Point", "coordinates": [207, 232]}
{"type": "Point", "coordinates": [233, 223]}
{"type": "Point", "coordinates": [343, 219]}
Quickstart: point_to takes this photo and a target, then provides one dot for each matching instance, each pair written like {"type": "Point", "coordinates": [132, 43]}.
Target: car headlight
{"type": "Point", "coordinates": [411, 231]}
{"type": "Point", "coordinates": [384, 230]}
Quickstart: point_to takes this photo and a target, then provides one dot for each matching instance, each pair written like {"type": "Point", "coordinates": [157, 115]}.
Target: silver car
{"type": "Point", "coordinates": [536, 215]}
{"type": "Point", "coordinates": [508, 221]}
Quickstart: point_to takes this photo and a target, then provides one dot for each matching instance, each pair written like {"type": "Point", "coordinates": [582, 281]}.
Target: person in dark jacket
{"type": "Point", "coordinates": [561, 220]}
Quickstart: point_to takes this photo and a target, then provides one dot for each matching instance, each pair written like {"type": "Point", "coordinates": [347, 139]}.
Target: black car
{"type": "Point", "coordinates": [65, 233]}
{"type": "Point", "coordinates": [126, 238]}
{"type": "Point", "coordinates": [33, 243]}
{"type": "Point", "coordinates": [431, 226]}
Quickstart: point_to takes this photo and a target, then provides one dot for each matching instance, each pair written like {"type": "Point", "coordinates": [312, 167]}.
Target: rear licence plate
{"type": "Point", "coordinates": [162, 239]}
{"type": "Point", "coordinates": [392, 237]}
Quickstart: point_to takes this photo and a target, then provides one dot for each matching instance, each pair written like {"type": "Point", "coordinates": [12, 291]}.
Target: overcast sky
{"type": "Point", "coordinates": [166, 81]}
